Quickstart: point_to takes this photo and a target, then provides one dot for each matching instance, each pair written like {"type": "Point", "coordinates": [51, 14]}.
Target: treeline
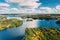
{"type": "Point", "coordinates": [41, 16]}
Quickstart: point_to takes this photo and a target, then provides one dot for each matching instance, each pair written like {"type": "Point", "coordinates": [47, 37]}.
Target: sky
{"type": "Point", "coordinates": [30, 6]}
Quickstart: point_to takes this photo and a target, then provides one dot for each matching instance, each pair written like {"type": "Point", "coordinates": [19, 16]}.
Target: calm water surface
{"type": "Point", "coordinates": [19, 32]}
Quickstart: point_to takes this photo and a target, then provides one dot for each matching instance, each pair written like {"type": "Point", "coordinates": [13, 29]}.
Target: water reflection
{"type": "Point", "coordinates": [13, 32]}
{"type": "Point", "coordinates": [48, 23]}
{"type": "Point", "coordinates": [20, 31]}
{"type": "Point", "coordinates": [32, 24]}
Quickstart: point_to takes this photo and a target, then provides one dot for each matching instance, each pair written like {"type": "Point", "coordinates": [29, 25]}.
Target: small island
{"type": "Point", "coordinates": [9, 23]}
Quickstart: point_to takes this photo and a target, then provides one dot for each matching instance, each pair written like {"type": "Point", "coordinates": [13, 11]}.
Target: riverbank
{"type": "Point", "coordinates": [42, 34]}
{"type": "Point", "coordinates": [47, 17]}
{"type": "Point", "coordinates": [8, 23]}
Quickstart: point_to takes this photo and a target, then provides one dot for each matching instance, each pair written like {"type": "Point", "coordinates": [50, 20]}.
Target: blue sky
{"type": "Point", "coordinates": [2, 0]}
{"type": "Point", "coordinates": [35, 6]}
{"type": "Point", "coordinates": [45, 3]}
{"type": "Point", "coordinates": [50, 3]}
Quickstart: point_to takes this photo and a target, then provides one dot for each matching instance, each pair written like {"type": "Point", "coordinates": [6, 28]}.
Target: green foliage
{"type": "Point", "coordinates": [42, 34]}
{"type": "Point", "coordinates": [10, 23]}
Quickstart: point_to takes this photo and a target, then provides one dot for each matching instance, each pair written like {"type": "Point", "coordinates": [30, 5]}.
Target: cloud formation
{"type": "Point", "coordinates": [47, 10]}
{"type": "Point", "coordinates": [26, 3]}
{"type": "Point", "coordinates": [27, 6]}
{"type": "Point", "coordinates": [4, 5]}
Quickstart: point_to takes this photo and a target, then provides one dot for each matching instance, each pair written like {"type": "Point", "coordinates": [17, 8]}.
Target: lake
{"type": "Point", "coordinates": [19, 32]}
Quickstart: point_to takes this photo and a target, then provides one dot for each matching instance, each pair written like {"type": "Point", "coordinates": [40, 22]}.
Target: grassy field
{"type": "Point", "coordinates": [42, 34]}
{"type": "Point", "coordinates": [8, 23]}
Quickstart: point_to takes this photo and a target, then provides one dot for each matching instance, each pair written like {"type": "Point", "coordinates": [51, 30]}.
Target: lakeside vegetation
{"type": "Point", "coordinates": [8, 23]}
{"type": "Point", "coordinates": [41, 17]}
{"type": "Point", "coordinates": [58, 22]}
{"type": "Point", "coordinates": [42, 34]}
{"type": "Point", "coordinates": [37, 16]}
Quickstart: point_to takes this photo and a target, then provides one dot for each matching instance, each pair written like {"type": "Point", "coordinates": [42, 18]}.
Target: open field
{"type": "Point", "coordinates": [42, 34]}
{"type": "Point", "coordinates": [8, 23]}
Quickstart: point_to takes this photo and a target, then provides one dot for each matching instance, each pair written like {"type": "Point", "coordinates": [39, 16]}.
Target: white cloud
{"type": "Point", "coordinates": [14, 10]}
{"type": "Point", "coordinates": [28, 3]}
{"type": "Point", "coordinates": [4, 5]}
{"type": "Point", "coordinates": [4, 8]}
{"type": "Point", "coordinates": [47, 10]}
{"type": "Point", "coordinates": [27, 6]}
{"type": "Point", "coordinates": [58, 8]}
{"type": "Point", "coordinates": [43, 10]}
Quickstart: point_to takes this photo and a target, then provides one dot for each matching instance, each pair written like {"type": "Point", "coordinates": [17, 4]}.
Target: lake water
{"type": "Point", "coordinates": [19, 32]}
